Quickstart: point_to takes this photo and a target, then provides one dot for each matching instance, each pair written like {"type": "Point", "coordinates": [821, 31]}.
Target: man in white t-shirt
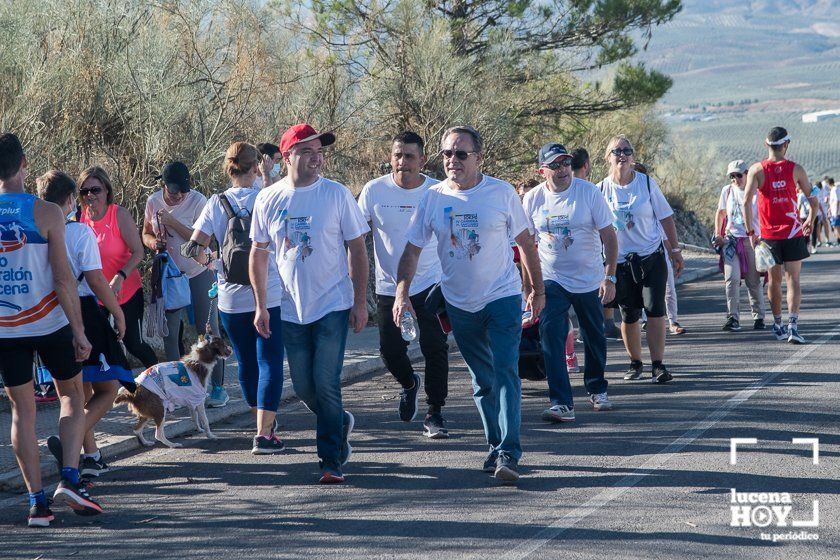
{"type": "Point", "coordinates": [572, 222]}
{"type": "Point", "coordinates": [473, 217]}
{"type": "Point", "coordinates": [309, 219]}
{"type": "Point", "coordinates": [388, 203]}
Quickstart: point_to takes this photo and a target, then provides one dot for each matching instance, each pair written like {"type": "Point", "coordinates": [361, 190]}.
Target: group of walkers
{"type": "Point", "coordinates": [443, 260]}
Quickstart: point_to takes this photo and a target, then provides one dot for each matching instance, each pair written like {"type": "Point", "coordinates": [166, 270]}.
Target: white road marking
{"type": "Point", "coordinates": [657, 461]}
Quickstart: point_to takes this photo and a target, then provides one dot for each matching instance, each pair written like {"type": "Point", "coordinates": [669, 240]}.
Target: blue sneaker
{"type": "Point", "coordinates": [218, 397]}
{"type": "Point", "coordinates": [408, 401]}
{"type": "Point", "coordinates": [780, 331]}
{"type": "Point", "coordinates": [793, 334]}
{"type": "Point", "coordinates": [346, 448]}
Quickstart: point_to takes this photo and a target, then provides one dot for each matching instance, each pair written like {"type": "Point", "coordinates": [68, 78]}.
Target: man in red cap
{"type": "Point", "coordinates": [309, 219]}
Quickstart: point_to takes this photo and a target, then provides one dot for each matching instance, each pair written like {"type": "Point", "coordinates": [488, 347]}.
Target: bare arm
{"type": "Point", "coordinates": [150, 239]}
{"type": "Point", "coordinates": [670, 228]}
{"type": "Point", "coordinates": [51, 223]}
{"type": "Point", "coordinates": [203, 240]}
{"type": "Point", "coordinates": [131, 238]}
{"type": "Point", "coordinates": [359, 269]}
{"type": "Point", "coordinates": [101, 289]}
{"type": "Point", "coordinates": [258, 272]}
{"type": "Point", "coordinates": [610, 242]}
{"type": "Point", "coordinates": [531, 265]}
{"type": "Point", "coordinates": [755, 176]}
{"type": "Point", "coordinates": [405, 274]}
{"type": "Point", "coordinates": [719, 215]}
{"type": "Point", "coordinates": [804, 185]}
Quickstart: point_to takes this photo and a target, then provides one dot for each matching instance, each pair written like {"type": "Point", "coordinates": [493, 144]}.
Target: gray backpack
{"type": "Point", "coordinates": [236, 248]}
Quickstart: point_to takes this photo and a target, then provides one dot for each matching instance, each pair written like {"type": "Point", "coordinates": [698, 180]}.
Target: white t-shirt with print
{"type": "Point", "coordinates": [82, 252]}
{"type": "Point", "coordinates": [732, 200]}
{"type": "Point", "coordinates": [389, 208]}
{"type": "Point", "coordinates": [213, 220]}
{"type": "Point", "coordinates": [309, 226]}
{"type": "Point", "coordinates": [186, 213]}
{"type": "Point", "coordinates": [473, 229]}
{"type": "Point", "coordinates": [567, 225]}
{"type": "Point", "coordinates": [636, 214]}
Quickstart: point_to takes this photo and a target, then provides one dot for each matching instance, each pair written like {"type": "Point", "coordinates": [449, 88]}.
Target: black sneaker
{"type": "Point", "coordinates": [759, 325]}
{"type": "Point", "coordinates": [613, 333]}
{"type": "Point", "coordinates": [267, 445]}
{"type": "Point", "coordinates": [507, 468]}
{"type": "Point", "coordinates": [634, 372]}
{"type": "Point", "coordinates": [346, 448]}
{"type": "Point", "coordinates": [732, 324]}
{"type": "Point", "coordinates": [76, 497]}
{"type": "Point", "coordinates": [660, 374]}
{"type": "Point", "coordinates": [434, 426]}
{"type": "Point", "coordinates": [490, 461]}
{"type": "Point", "coordinates": [90, 467]}
{"type": "Point", "coordinates": [408, 401]}
{"type": "Point", "coordinates": [54, 445]}
{"type": "Point", "coordinates": [40, 515]}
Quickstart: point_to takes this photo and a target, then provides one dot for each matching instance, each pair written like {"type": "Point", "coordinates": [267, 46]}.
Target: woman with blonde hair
{"type": "Point", "coordinates": [260, 359]}
{"type": "Point", "coordinates": [121, 251]}
{"type": "Point", "coordinates": [642, 275]}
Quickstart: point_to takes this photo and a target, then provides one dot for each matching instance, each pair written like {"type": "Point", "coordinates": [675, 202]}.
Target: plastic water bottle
{"type": "Point", "coordinates": [408, 329]}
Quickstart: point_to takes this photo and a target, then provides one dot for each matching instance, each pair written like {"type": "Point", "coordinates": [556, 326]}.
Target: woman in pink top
{"type": "Point", "coordinates": [121, 251]}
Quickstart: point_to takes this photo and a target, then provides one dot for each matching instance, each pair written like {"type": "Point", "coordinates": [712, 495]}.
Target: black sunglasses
{"type": "Point", "coordinates": [92, 190]}
{"type": "Point", "coordinates": [622, 151]}
{"type": "Point", "coordinates": [460, 154]}
{"type": "Point", "coordinates": [558, 163]}
{"type": "Point", "coordinates": [735, 175]}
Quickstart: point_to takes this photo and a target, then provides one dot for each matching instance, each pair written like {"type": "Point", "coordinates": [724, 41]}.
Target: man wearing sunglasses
{"type": "Point", "coordinates": [473, 217]}
{"type": "Point", "coordinates": [776, 180]}
{"type": "Point", "coordinates": [572, 221]}
{"type": "Point", "coordinates": [737, 249]}
{"type": "Point", "coordinates": [388, 203]}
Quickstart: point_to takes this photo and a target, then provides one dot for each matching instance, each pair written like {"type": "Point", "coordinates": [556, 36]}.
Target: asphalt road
{"type": "Point", "coordinates": [650, 479]}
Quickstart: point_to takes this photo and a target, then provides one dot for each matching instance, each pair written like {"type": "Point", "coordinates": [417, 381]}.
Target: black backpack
{"type": "Point", "coordinates": [236, 248]}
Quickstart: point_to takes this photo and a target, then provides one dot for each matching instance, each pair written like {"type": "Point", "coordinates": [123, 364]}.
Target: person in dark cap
{"type": "Point", "coordinates": [167, 224]}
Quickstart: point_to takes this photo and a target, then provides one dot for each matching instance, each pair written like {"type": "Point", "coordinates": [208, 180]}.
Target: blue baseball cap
{"type": "Point", "coordinates": [552, 151]}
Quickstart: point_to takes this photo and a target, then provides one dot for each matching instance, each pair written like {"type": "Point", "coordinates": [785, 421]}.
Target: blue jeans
{"type": "Point", "coordinates": [316, 356]}
{"type": "Point", "coordinates": [489, 342]}
{"type": "Point", "coordinates": [260, 359]}
{"type": "Point", "coordinates": [554, 327]}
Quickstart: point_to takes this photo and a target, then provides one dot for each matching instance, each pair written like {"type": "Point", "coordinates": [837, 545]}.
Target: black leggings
{"type": "Point", "coordinates": [133, 311]}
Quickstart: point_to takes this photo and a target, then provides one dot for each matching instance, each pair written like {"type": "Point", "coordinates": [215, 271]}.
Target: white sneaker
{"type": "Point", "coordinates": [559, 413]}
{"type": "Point", "coordinates": [600, 401]}
{"type": "Point", "coordinates": [793, 335]}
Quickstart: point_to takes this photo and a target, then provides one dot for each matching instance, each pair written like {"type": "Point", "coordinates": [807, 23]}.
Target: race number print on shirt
{"type": "Point", "coordinates": [567, 226]}
{"type": "Point", "coordinates": [473, 229]}
{"type": "Point", "coordinates": [309, 226]}
{"type": "Point", "coordinates": [389, 208]}
{"type": "Point", "coordinates": [637, 214]}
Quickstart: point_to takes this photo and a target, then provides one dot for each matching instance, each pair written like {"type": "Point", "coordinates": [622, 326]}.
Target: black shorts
{"type": "Point", "coordinates": [55, 349]}
{"type": "Point", "coordinates": [788, 250]}
{"type": "Point", "coordinates": [632, 295]}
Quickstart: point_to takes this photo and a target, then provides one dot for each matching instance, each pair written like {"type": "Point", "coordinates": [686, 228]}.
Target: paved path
{"type": "Point", "coordinates": [651, 479]}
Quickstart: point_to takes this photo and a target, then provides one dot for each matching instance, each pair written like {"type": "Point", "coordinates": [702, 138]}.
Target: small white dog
{"type": "Point", "coordinates": [169, 385]}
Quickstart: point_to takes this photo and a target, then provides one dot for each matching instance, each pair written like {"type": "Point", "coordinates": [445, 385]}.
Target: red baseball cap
{"type": "Point", "coordinates": [303, 132]}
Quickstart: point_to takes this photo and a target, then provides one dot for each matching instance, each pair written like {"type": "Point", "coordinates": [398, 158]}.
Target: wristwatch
{"type": "Point", "coordinates": [676, 250]}
{"type": "Point", "coordinates": [610, 278]}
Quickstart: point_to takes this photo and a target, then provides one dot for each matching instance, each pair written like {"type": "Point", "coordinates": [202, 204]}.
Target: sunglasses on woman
{"type": "Point", "coordinates": [460, 154]}
{"type": "Point", "coordinates": [735, 175]}
{"type": "Point", "coordinates": [622, 151]}
{"type": "Point", "coordinates": [92, 190]}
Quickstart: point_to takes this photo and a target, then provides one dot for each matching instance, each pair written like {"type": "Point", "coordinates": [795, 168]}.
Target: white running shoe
{"type": "Point", "coordinates": [793, 335]}
{"type": "Point", "coordinates": [600, 401]}
{"type": "Point", "coordinates": [559, 413]}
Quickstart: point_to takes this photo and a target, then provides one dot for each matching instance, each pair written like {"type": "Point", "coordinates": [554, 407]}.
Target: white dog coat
{"type": "Point", "coordinates": [174, 384]}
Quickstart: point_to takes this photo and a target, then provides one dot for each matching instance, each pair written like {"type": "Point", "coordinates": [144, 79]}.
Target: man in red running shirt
{"type": "Point", "coordinates": [776, 179]}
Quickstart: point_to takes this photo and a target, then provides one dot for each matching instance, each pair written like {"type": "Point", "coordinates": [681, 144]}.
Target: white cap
{"type": "Point", "coordinates": [737, 166]}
